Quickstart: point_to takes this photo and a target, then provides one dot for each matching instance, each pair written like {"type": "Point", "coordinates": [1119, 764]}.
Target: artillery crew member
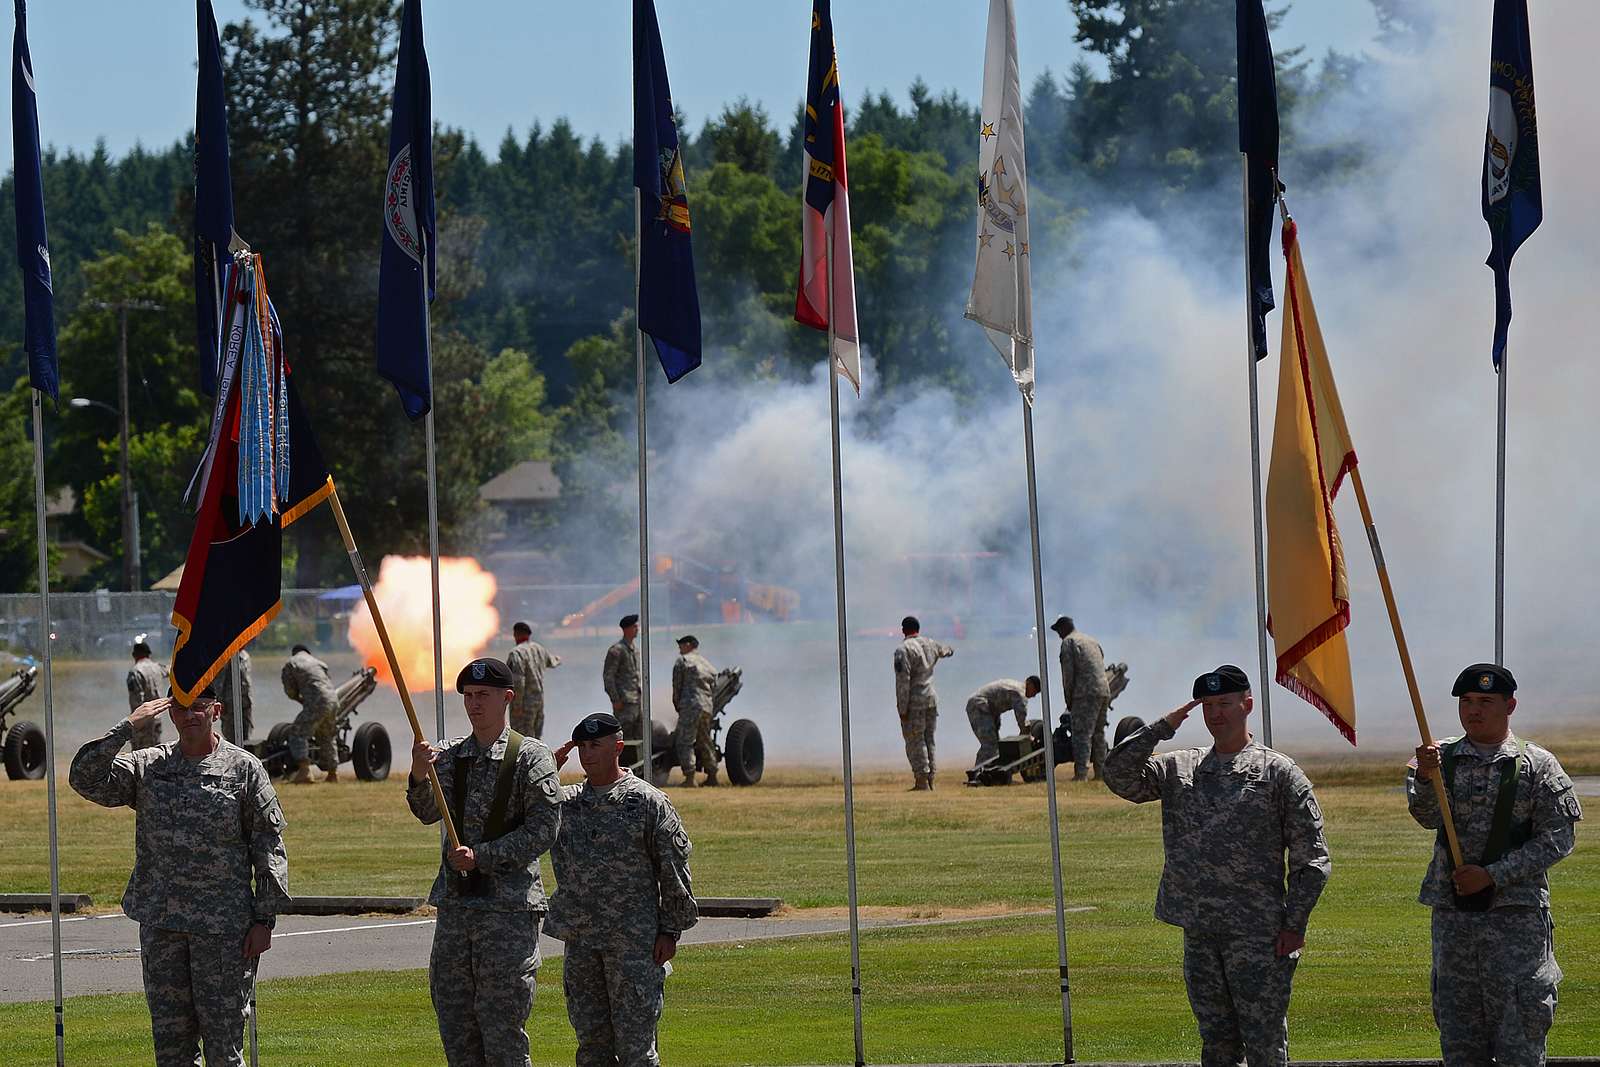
{"type": "Point", "coordinates": [914, 698]}
{"type": "Point", "coordinates": [1087, 695]}
{"type": "Point", "coordinates": [694, 680]}
{"type": "Point", "coordinates": [505, 803]}
{"type": "Point", "coordinates": [207, 823]}
{"type": "Point", "coordinates": [528, 661]}
{"type": "Point", "coordinates": [621, 679]}
{"type": "Point", "coordinates": [623, 898]}
{"type": "Point", "coordinates": [224, 688]}
{"type": "Point", "coordinates": [147, 680]}
{"type": "Point", "coordinates": [989, 705]}
{"type": "Point", "coordinates": [305, 680]}
{"type": "Point", "coordinates": [1228, 815]}
{"type": "Point", "coordinates": [1514, 808]}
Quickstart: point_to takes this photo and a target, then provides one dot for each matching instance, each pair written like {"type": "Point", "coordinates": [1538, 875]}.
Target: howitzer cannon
{"type": "Point", "coordinates": [22, 741]}
{"type": "Point", "coordinates": [745, 755]}
{"type": "Point", "coordinates": [1024, 753]}
{"type": "Point", "coordinates": [369, 751]}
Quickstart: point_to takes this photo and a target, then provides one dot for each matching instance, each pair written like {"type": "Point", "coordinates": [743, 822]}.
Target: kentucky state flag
{"type": "Point", "coordinates": [669, 305]}
{"type": "Point", "coordinates": [1512, 204]}
{"type": "Point", "coordinates": [33, 248]}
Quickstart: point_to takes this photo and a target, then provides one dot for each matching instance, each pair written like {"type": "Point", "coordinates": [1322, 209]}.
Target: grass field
{"type": "Point", "coordinates": [963, 991]}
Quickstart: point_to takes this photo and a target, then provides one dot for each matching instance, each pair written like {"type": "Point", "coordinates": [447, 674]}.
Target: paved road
{"type": "Point", "coordinates": [1587, 785]}
{"type": "Point", "coordinates": [100, 954]}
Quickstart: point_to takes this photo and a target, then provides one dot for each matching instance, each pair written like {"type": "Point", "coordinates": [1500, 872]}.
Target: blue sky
{"type": "Point", "coordinates": [124, 70]}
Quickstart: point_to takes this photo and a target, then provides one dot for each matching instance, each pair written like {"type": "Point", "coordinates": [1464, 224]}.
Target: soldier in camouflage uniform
{"type": "Point", "coordinates": [528, 661]}
{"type": "Point", "coordinates": [989, 705]}
{"type": "Point", "coordinates": [1228, 815]}
{"type": "Point", "coordinates": [206, 822]}
{"type": "Point", "coordinates": [1494, 964]}
{"type": "Point", "coordinates": [147, 680]}
{"type": "Point", "coordinates": [623, 898]}
{"type": "Point", "coordinates": [490, 897]}
{"type": "Point", "coordinates": [1084, 687]}
{"type": "Point", "coordinates": [915, 699]}
{"type": "Point", "coordinates": [224, 686]}
{"type": "Point", "coordinates": [306, 681]}
{"type": "Point", "coordinates": [620, 676]}
{"type": "Point", "coordinates": [693, 679]}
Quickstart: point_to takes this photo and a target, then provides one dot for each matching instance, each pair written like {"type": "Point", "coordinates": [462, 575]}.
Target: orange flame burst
{"type": "Point", "coordinates": [404, 592]}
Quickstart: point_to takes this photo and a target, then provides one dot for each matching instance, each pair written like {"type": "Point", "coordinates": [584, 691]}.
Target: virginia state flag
{"type": "Point", "coordinates": [213, 196]}
{"type": "Point", "coordinates": [1308, 591]}
{"type": "Point", "coordinates": [826, 210]}
{"type": "Point", "coordinates": [232, 576]}
{"type": "Point", "coordinates": [406, 269]}
{"type": "Point", "coordinates": [1258, 140]}
{"type": "Point", "coordinates": [669, 306]}
{"type": "Point", "coordinates": [33, 248]}
{"type": "Point", "coordinates": [1512, 202]}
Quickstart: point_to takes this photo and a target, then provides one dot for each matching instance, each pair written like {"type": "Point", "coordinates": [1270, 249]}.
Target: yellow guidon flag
{"type": "Point", "coordinates": [1308, 592]}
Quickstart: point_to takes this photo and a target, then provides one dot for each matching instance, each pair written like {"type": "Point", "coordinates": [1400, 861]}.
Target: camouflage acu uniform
{"type": "Point", "coordinates": [693, 680]}
{"type": "Point", "coordinates": [528, 662]}
{"type": "Point", "coordinates": [203, 829]}
{"type": "Point", "coordinates": [1495, 972]}
{"type": "Point", "coordinates": [915, 699]}
{"type": "Point", "coordinates": [305, 679]}
{"type": "Point", "coordinates": [621, 679]}
{"type": "Point", "coordinates": [988, 706]}
{"type": "Point", "coordinates": [225, 694]}
{"type": "Point", "coordinates": [1083, 684]}
{"type": "Point", "coordinates": [622, 874]}
{"type": "Point", "coordinates": [1226, 822]}
{"type": "Point", "coordinates": [147, 680]}
{"type": "Point", "coordinates": [486, 947]}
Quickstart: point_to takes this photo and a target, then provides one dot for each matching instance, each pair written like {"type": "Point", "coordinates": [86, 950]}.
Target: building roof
{"type": "Point", "coordinates": [529, 481]}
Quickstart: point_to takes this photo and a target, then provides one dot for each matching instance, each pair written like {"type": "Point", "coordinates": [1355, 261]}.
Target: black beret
{"type": "Point", "coordinates": [689, 639]}
{"type": "Point", "coordinates": [1225, 679]}
{"type": "Point", "coordinates": [628, 620]}
{"type": "Point", "coordinates": [600, 724]}
{"type": "Point", "coordinates": [521, 627]}
{"type": "Point", "coordinates": [205, 692]}
{"type": "Point", "coordinates": [1484, 678]}
{"type": "Point", "coordinates": [484, 671]}
{"type": "Point", "coordinates": [1062, 625]}
{"type": "Point", "coordinates": [910, 625]}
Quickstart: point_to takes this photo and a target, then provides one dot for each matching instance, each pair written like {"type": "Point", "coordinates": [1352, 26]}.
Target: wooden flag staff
{"type": "Point", "coordinates": [388, 650]}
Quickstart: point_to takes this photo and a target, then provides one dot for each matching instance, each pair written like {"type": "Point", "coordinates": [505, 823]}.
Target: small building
{"type": "Point", "coordinates": [523, 493]}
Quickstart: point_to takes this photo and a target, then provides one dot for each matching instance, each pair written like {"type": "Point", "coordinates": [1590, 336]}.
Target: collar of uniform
{"type": "Point", "coordinates": [1246, 760]}
{"type": "Point", "coordinates": [1507, 749]}
{"type": "Point", "coordinates": [471, 747]}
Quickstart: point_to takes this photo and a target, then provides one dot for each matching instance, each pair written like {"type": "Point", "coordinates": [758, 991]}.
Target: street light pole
{"type": "Point", "coordinates": [130, 561]}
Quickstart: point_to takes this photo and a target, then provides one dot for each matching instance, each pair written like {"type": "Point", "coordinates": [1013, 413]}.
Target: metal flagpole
{"type": "Point", "coordinates": [844, 668]}
{"type": "Point", "coordinates": [1263, 692]}
{"type": "Point", "coordinates": [1500, 518]}
{"type": "Point", "coordinates": [644, 505]}
{"type": "Point", "coordinates": [237, 686]}
{"type": "Point", "coordinates": [1049, 740]}
{"type": "Point", "coordinates": [49, 718]}
{"type": "Point", "coordinates": [433, 513]}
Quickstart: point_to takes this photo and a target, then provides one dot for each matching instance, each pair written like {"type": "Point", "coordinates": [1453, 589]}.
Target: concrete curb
{"type": "Point", "coordinates": [41, 902]}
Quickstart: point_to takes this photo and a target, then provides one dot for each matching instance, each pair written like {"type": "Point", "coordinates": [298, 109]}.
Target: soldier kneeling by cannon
{"type": "Point", "coordinates": [369, 751]}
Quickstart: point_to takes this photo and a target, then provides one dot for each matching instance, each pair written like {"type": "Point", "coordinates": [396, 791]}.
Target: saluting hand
{"type": "Point", "coordinates": [149, 711]}
{"type": "Point", "coordinates": [563, 752]}
{"type": "Point", "coordinates": [1175, 718]}
{"type": "Point", "coordinates": [423, 756]}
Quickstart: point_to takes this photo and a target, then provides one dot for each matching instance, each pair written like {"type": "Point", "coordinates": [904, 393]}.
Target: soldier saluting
{"type": "Point", "coordinates": [505, 802]}
{"type": "Point", "coordinates": [1494, 964]}
{"type": "Point", "coordinates": [623, 898]}
{"type": "Point", "coordinates": [1229, 813]}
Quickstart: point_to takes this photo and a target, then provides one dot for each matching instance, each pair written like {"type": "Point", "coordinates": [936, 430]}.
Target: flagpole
{"type": "Point", "coordinates": [1500, 517]}
{"type": "Point", "coordinates": [644, 505]}
{"type": "Point", "coordinates": [844, 666]}
{"type": "Point", "coordinates": [1405, 660]}
{"type": "Point", "coordinates": [433, 512]}
{"type": "Point", "coordinates": [49, 719]}
{"type": "Point", "coordinates": [1049, 739]}
{"type": "Point", "coordinates": [388, 650]}
{"type": "Point", "coordinates": [237, 689]}
{"type": "Point", "coordinates": [1263, 692]}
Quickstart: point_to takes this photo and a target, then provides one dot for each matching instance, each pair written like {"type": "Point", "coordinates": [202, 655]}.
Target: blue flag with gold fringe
{"type": "Point", "coordinates": [33, 248]}
{"type": "Point", "coordinates": [1258, 140]}
{"type": "Point", "coordinates": [669, 304]}
{"type": "Point", "coordinates": [1512, 202]}
{"type": "Point", "coordinates": [213, 197]}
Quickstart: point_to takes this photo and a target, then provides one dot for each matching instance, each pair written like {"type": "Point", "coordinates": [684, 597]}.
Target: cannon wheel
{"type": "Point", "coordinates": [24, 751]}
{"type": "Point", "coordinates": [279, 734]}
{"type": "Point", "coordinates": [744, 754]}
{"type": "Point", "coordinates": [661, 756]}
{"type": "Point", "coordinates": [371, 753]}
{"type": "Point", "coordinates": [1125, 726]}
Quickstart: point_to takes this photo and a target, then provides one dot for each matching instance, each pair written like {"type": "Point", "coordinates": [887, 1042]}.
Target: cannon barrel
{"type": "Point", "coordinates": [17, 688]}
{"type": "Point", "coordinates": [729, 681]}
{"type": "Point", "coordinates": [356, 688]}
